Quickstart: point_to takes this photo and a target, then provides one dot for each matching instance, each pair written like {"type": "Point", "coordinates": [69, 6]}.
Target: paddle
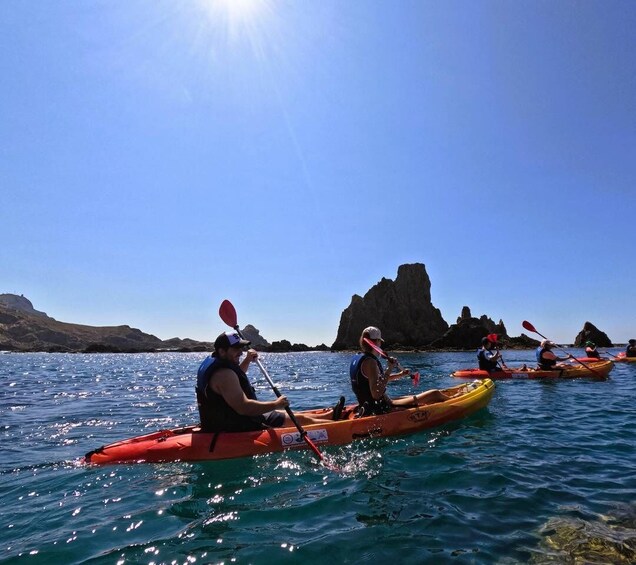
{"type": "Point", "coordinates": [528, 326]}
{"type": "Point", "coordinates": [493, 338]}
{"type": "Point", "coordinates": [227, 312]}
{"type": "Point", "coordinates": [415, 376]}
{"type": "Point", "coordinates": [608, 353]}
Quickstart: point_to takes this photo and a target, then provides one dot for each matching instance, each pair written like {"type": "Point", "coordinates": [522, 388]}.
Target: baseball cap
{"type": "Point", "coordinates": [374, 333]}
{"type": "Point", "coordinates": [547, 343]}
{"type": "Point", "coordinates": [229, 339]}
{"type": "Point", "coordinates": [590, 343]}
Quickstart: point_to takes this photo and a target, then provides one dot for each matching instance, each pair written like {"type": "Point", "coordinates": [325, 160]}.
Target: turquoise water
{"type": "Point", "coordinates": [545, 474]}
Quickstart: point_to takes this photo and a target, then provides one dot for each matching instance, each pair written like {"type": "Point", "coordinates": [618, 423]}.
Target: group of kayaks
{"type": "Point", "coordinates": [584, 367]}
{"type": "Point", "coordinates": [191, 444]}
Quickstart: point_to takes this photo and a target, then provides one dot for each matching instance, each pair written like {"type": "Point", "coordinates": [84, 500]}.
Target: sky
{"type": "Point", "coordinates": [158, 157]}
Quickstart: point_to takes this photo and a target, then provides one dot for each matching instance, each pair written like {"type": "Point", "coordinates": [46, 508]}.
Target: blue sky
{"type": "Point", "coordinates": [158, 157]}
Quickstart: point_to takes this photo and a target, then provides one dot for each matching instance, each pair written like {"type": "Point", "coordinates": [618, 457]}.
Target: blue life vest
{"type": "Point", "coordinates": [215, 413]}
{"type": "Point", "coordinates": [361, 388]}
{"type": "Point", "coordinates": [544, 364]}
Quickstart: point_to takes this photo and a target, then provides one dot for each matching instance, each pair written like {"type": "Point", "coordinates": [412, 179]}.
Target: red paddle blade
{"type": "Point", "coordinates": [527, 325]}
{"type": "Point", "coordinates": [416, 378]}
{"type": "Point", "coordinates": [228, 313]}
{"type": "Point", "coordinates": [374, 347]}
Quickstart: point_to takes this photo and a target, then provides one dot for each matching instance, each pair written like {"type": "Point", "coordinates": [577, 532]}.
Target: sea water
{"type": "Point", "coordinates": [545, 474]}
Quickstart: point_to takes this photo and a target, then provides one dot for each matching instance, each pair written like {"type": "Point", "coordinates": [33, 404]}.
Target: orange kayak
{"type": "Point", "coordinates": [622, 358]}
{"type": "Point", "coordinates": [596, 370]}
{"type": "Point", "coordinates": [189, 444]}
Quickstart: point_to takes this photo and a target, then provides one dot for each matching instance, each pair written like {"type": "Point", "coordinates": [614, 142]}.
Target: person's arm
{"type": "Point", "coordinates": [226, 383]}
{"type": "Point", "coordinates": [377, 380]}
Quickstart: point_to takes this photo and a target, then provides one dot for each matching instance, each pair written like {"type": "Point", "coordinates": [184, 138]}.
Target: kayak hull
{"type": "Point", "coordinates": [622, 358]}
{"type": "Point", "coordinates": [189, 444]}
{"type": "Point", "coordinates": [595, 370]}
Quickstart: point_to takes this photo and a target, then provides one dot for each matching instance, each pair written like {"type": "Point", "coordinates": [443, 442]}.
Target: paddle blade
{"type": "Point", "coordinates": [228, 313]}
{"type": "Point", "coordinates": [375, 347]}
{"type": "Point", "coordinates": [528, 326]}
{"type": "Point", "coordinates": [416, 378]}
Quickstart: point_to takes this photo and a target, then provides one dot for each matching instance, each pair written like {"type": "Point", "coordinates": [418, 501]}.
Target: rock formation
{"type": "Point", "coordinates": [468, 332]}
{"type": "Point", "coordinates": [591, 333]}
{"type": "Point", "coordinates": [22, 328]}
{"type": "Point", "coordinates": [402, 309]}
{"type": "Point", "coordinates": [254, 336]}
{"type": "Point", "coordinates": [19, 303]}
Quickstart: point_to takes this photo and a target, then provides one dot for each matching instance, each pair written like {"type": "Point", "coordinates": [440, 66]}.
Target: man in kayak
{"type": "Point", "coordinates": [226, 399]}
{"type": "Point", "coordinates": [546, 359]}
{"type": "Point", "coordinates": [631, 348]}
{"type": "Point", "coordinates": [369, 380]}
{"type": "Point", "coordinates": [590, 350]}
{"type": "Point", "coordinates": [488, 359]}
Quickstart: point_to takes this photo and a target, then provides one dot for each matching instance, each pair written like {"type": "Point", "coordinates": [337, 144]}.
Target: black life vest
{"type": "Point", "coordinates": [216, 415]}
{"type": "Point", "coordinates": [592, 353]}
{"type": "Point", "coordinates": [486, 364]}
{"type": "Point", "coordinates": [362, 389]}
{"type": "Point", "coordinates": [544, 364]}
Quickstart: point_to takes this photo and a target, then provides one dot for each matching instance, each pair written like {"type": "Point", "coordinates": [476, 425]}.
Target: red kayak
{"type": "Point", "coordinates": [597, 369]}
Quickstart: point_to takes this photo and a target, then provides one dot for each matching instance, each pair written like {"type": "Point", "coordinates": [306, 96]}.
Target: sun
{"type": "Point", "coordinates": [236, 19]}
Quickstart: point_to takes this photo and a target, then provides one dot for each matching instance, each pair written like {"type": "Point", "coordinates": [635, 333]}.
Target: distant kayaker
{"type": "Point", "coordinates": [547, 360]}
{"type": "Point", "coordinates": [631, 348]}
{"type": "Point", "coordinates": [590, 350]}
{"type": "Point", "coordinates": [369, 380]}
{"type": "Point", "coordinates": [226, 399]}
{"type": "Point", "coordinates": [488, 359]}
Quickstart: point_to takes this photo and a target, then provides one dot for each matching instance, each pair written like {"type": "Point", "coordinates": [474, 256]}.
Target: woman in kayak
{"type": "Point", "coordinates": [546, 360]}
{"type": "Point", "coordinates": [590, 350]}
{"type": "Point", "coordinates": [369, 380]}
{"type": "Point", "coordinates": [631, 348]}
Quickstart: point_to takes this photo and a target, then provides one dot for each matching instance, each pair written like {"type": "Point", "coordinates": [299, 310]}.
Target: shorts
{"type": "Point", "coordinates": [274, 419]}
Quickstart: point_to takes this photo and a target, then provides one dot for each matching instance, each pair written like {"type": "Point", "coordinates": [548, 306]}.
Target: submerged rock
{"type": "Point", "coordinates": [609, 539]}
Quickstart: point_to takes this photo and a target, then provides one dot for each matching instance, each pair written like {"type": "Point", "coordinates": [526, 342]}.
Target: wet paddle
{"type": "Point", "coordinates": [227, 312]}
{"type": "Point", "coordinates": [528, 326]}
{"type": "Point", "coordinates": [415, 376]}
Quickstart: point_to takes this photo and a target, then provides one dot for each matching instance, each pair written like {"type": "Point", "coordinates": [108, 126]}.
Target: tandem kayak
{"type": "Point", "coordinates": [596, 370]}
{"type": "Point", "coordinates": [190, 444]}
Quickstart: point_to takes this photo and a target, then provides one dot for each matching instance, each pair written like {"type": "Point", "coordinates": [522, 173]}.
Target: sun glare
{"type": "Point", "coordinates": [238, 16]}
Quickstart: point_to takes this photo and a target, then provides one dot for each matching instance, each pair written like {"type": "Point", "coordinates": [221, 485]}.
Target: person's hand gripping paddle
{"type": "Point", "coordinates": [227, 312]}
{"type": "Point", "coordinates": [414, 376]}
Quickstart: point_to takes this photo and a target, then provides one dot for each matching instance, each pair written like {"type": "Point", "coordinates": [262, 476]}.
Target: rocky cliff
{"type": "Point", "coordinates": [22, 328]}
{"type": "Point", "coordinates": [468, 332]}
{"type": "Point", "coordinates": [591, 333]}
{"type": "Point", "coordinates": [402, 309]}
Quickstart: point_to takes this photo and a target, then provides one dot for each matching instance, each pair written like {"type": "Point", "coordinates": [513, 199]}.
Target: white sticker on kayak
{"type": "Point", "coordinates": [294, 439]}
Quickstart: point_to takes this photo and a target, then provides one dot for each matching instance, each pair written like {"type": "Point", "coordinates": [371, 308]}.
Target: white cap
{"type": "Point", "coordinates": [374, 333]}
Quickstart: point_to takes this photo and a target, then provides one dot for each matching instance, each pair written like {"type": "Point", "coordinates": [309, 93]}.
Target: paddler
{"type": "Point", "coordinates": [489, 359]}
{"type": "Point", "coordinates": [631, 348]}
{"type": "Point", "coordinates": [590, 350]}
{"type": "Point", "coordinates": [369, 380]}
{"type": "Point", "coordinates": [546, 359]}
{"type": "Point", "coordinates": [226, 399]}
